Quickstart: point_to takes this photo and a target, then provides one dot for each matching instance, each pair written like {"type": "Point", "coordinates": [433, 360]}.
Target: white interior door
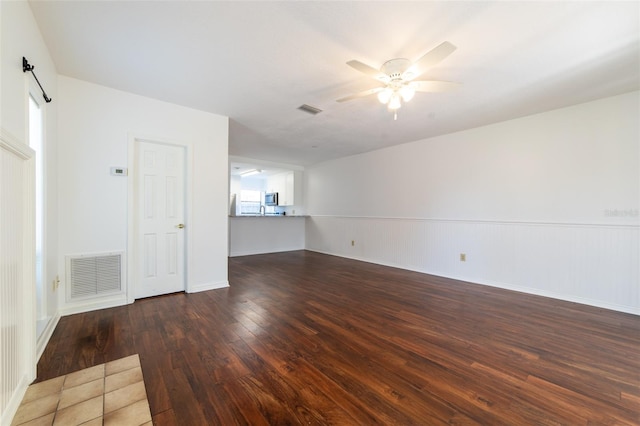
{"type": "Point", "coordinates": [160, 201]}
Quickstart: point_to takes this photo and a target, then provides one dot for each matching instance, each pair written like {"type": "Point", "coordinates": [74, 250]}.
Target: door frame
{"type": "Point", "coordinates": [42, 309]}
{"type": "Point", "coordinates": [132, 258]}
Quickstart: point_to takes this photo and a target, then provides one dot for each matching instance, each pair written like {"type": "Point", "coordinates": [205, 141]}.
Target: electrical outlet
{"type": "Point", "coordinates": [463, 257]}
{"type": "Point", "coordinates": [353, 243]}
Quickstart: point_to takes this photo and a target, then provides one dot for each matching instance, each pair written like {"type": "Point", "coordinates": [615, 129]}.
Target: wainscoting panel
{"type": "Point", "coordinates": [17, 273]}
{"type": "Point", "coordinates": [592, 264]}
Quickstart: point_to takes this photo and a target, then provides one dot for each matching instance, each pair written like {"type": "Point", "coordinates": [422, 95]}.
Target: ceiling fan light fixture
{"type": "Point", "coordinates": [398, 77]}
{"type": "Point", "coordinates": [394, 102]}
{"type": "Point", "coordinates": [384, 96]}
{"type": "Point", "coordinates": [407, 92]}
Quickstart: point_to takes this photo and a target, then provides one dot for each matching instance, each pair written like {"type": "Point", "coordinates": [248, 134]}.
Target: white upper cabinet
{"type": "Point", "coordinates": [287, 185]}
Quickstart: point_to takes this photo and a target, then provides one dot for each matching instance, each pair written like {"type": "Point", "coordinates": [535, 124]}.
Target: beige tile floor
{"type": "Point", "coordinates": [107, 394]}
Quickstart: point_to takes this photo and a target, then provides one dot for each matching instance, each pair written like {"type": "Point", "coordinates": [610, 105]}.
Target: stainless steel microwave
{"type": "Point", "coordinates": [271, 199]}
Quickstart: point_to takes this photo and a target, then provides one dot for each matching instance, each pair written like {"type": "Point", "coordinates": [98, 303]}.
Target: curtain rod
{"type": "Point", "coordinates": [26, 67]}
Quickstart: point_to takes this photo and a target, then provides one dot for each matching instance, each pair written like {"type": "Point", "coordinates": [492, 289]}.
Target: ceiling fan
{"type": "Point", "coordinates": [398, 76]}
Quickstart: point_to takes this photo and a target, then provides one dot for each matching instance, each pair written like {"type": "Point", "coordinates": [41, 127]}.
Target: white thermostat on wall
{"type": "Point", "coordinates": [119, 171]}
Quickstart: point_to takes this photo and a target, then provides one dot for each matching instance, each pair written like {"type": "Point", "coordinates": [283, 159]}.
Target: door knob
{"type": "Point", "coordinates": [180, 226]}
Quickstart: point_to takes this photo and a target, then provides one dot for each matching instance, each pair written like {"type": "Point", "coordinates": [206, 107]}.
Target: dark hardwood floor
{"type": "Point", "coordinates": [305, 338]}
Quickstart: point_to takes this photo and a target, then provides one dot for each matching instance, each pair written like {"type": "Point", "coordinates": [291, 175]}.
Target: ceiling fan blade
{"type": "Point", "coordinates": [434, 85]}
{"type": "Point", "coordinates": [369, 70]}
{"type": "Point", "coordinates": [430, 59]}
{"type": "Point", "coordinates": [360, 94]}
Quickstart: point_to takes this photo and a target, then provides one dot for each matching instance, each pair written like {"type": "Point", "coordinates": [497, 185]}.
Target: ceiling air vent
{"type": "Point", "coordinates": [309, 109]}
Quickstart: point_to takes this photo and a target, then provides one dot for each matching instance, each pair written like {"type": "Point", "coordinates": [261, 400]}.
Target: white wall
{"type": "Point", "coordinates": [546, 204]}
{"type": "Point", "coordinates": [96, 124]}
{"type": "Point", "coordinates": [20, 36]}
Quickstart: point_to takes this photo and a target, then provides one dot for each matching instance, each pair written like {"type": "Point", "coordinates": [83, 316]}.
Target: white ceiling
{"type": "Point", "coordinates": [257, 62]}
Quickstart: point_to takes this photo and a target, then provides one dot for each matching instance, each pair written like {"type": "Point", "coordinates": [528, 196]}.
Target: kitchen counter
{"type": "Point", "coordinates": [256, 234]}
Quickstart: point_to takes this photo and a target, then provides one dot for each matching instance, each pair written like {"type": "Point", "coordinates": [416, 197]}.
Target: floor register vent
{"type": "Point", "coordinates": [95, 275]}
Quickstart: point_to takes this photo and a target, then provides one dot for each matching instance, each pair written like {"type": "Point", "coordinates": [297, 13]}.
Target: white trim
{"type": "Point", "coordinates": [93, 304]}
{"type": "Point", "coordinates": [188, 214]}
{"type": "Point", "coordinates": [475, 221]}
{"type": "Point", "coordinates": [14, 402]}
{"type": "Point", "coordinates": [196, 288]}
{"type": "Point", "coordinates": [45, 336]}
{"type": "Point", "coordinates": [566, 298]}
{"type": "Point", "coordinates": [12, 144]}
{"type": "Point", "coordinates": [241, 253]}
{"type": "Point", "coordinates": [131, 253]}
{"type": "Point", "coordinates": [43, 312]}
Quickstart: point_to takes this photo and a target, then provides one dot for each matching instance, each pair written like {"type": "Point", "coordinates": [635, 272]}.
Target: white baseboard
{"type": "Point", "coordinates": [567, 298]}
{"type": "Point", "coordinates": [93, 305]}
{"type": "Point", "coordinates": [239, 253]}
{"type": "Point", "coordinates": [14, 402]}
{"type": "Point", "coordinates": [44, 338]}
{"type": "Point", "coordinates": [196, 288]}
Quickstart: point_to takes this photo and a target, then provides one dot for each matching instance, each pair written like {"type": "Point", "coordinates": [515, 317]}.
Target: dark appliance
{"type": "Point", "coordinates": [271, 199]}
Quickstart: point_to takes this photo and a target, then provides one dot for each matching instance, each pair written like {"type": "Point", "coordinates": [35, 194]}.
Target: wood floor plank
{"type": "Point", "coordinates": [306, 338]}
{"type": "Point", "coordinates": [164, 418]}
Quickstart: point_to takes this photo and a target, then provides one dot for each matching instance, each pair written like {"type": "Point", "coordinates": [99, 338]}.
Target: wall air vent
{"type": "Point", "coordinates": [94, 275]}
{"type": "Point", "coordinates": [310, 109]}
